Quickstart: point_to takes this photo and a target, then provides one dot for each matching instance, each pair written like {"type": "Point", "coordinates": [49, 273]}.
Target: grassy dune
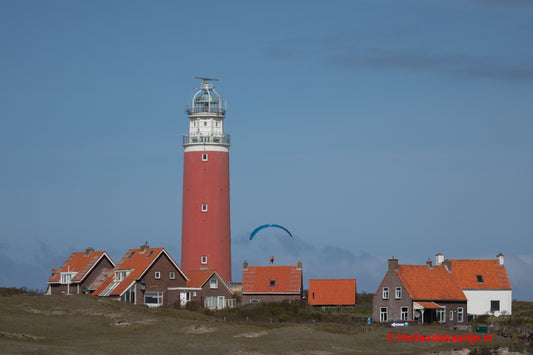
{"type": "Point", "coordinates": [87, 324]}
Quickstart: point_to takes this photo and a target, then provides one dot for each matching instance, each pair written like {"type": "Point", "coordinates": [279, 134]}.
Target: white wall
{"type": "Point", "coordinates": [479, 301]}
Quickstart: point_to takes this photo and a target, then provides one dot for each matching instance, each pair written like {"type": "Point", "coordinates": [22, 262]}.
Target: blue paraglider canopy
{"type": "Point", "coordinates": [269, 226]}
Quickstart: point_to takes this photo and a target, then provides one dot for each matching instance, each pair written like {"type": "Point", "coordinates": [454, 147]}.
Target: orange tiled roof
{"type": "Point", "coordinates": [338, 292]}
{"type": "Point", "coordinates": [423, 283]}
{"type": "Point", "coordinates": [137, 263]}
{"type": "Point", "coordinates": [81, 263]}
{"type": "Point", "coordinates": [197, 278]}
{"type": "Point", "coordinates": [272, 279]}
{"type": "Point", "coordinates": [493, 274]}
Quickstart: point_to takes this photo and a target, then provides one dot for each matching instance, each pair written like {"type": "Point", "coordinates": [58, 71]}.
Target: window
{"type": "Point", "coordinates": [255, 300]}
{"type": "Point", "coordinates": [385, 293]}
{"type": "Point", "coordinates": [479, 278]}
{"type": "Point", "coordinates": [273, 283]}
{"type": "Point", "coordinates": [157, 275]}
{"type": "Point", "coordinates": [460, 314]}
{"type": "Point", "coordinates": [203, 259]}
{"type": "Point", "coordinates": [441, 315]}
{"type": "Point", "coordinates": [383, 314]}
{"type": "Point", "coordinates": [451, 315]}
{"type": "Point", "coordinates": [66, 277]}
{"type": "Point", "coordinates": [129, 295]}
{"type": "Point", "coordinates": [213, 283]}
{"type": "Point", "coordinates": [404, 315]}
{"type": "Point", "coordinates": [194, 294]}
{"type": "Point", "coordinates": [494, 306]}
{"type": "Point", "coordinates": [204, 207]}
{"type": "Point", "coordinates": [398, 293]}
{"type": "Point", "coordinates": [172, 275]}
{"type": "Point", "coordinates": [211, 302]}
{"type": "Point", "coordinates": [120, 275]}
{"type": "Point", "coordinates": [204, 156]}
{"type": "Point", "coordinates": [205, 123]}
{"type": "Point", "coordinates": [153, 299]}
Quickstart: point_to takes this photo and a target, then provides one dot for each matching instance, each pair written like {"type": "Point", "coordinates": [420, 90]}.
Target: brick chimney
{"type": "Point", "coordinates": [429, 264]}
{"type": "Point", "coordinates": [500, 259]}
{"type": "Point", "coordinates": [448, 265]}
{"type": "Point", "coordinates": [393, 264]}
{"type": "Point", "coordinates": [88, 251]}
{"type": "Point", "coordinates": [245, 265]}
{"type": "Point", "coordinates": [144, 247]}
{"type": "Point", "coordinates": [299, 267]}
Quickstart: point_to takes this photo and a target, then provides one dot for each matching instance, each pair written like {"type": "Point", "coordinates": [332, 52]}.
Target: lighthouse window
{"type": "Point", "coordinates": [204, 259]}
{"type": "Point", "coordinates": [205, 124]}
{"type": "Point", "coordinates": [204, 157]}
{"type": "Point", "coordinates": [204, 207]}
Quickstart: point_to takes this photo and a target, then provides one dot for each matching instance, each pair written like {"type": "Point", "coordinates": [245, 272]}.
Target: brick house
{"type": "Point", "coordinates": [484, 283]}
{"type": "Point", "coordinates": [205, 287]}
{"type": "Point", "coordinates": [332, 292]}
{"type": "Point", "coordinates": [424, 293]}
{"type": "Point", "coordinates": [78, 273]}
{"type": "Point", "coordinates": [143, 276]}
{"type": "Point", "coordinates": [271, 283]}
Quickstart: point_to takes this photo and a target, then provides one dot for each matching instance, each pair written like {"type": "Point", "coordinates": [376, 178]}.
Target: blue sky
{"type": "Point", "coordinates": [370, 129]}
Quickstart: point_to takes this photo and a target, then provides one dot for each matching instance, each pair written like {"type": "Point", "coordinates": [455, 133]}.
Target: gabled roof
{"type": "Point", "coordinates": [136, 262]}
{"type": "Point", "coordinates": [424, 283]}
{"type": "Point", "coordinates": [272, 279]}
{"type": "Point", "coordinates": [332, 292]}
{"type": "Point", "coordinates": [492, 275]}
{"type": "Point", "coordinates": [198, 278]}
{"type": "Point", "coordinates": [81, 264]}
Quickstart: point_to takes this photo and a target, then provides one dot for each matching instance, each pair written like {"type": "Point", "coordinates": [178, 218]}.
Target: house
{"type": "Point", "coordinates": [484, 283]}
{"type": "Point", "coordinates": [78, 273]}
{"type": "Point", "coordinates": [424, 293]}
{"type": "Point", "coordinates": [205, 287]}
{"type": "Point", "coordinates": [271, 283]}
{"type": "Point", "coordinates": [143, 276]}
{"type": "Point", "coordinates": [332, 292]}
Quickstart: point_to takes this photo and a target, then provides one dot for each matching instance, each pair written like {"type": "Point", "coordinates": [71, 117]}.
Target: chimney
{"type": "Point", "coordinates": [393, 264]}
{"type": "Point", "coordinates": [448, 265]}
{"type": "Point", "coordinates": [88, 251]}
{"type": "Point", "coordinates": [429, 264]}
{"type": "Point", "coordinates": [500, 259]}
{"type": "Point", "coordinates": [245, 265]}
{"type": "Point", "coordinates": [144, 247]}
{"type": "Point", "coordinates": [299, 267]}
{"type": "Point", "coordinates": [439, 258]}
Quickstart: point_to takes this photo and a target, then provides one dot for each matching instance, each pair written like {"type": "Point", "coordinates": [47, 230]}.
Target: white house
{"type": "Point", "coordinates": [484, 283]}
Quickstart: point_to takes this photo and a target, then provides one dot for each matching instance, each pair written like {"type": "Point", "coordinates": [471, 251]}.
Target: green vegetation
{"type": "Point", "coordinates": [85, 324]}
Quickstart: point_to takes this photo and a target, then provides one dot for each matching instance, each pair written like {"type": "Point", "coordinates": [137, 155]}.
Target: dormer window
{"type": "Point", "coordinates": [120, 275]}
{"type": "Point", "coordinates": [66, 277]}
{"type": "Point", "coordinates": [479, 278]}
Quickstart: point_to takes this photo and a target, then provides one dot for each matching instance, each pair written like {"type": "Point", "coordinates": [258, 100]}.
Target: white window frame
{"type": "Point", "coordinates": [398, 293]}
{"type": "Point", "coordinates": [404, 313]}
{"type": "Point", "coordinates": [213, 283]}
{"type": "Point", "coordinates": [172, 275]}
{"type": "Point", "coordinates": [157, 296]}
{"type": "Point", "coordinates": [383, 314]}
{"type": "Point", "coordinates": [460, 315]}
{"type": "Point", "coordinates": [385, 294]}
{"type": "Point", "coordinates": [203, 259]}
{"type": "Point", "coordinates": [441, 315]}
{"type": "Point", "coordinates": [450, 316]}
{"type": "Point", "coordinates": [204, 207]}
{"type": "Point", "coordinates": [204, 156]}
{"type": "Point", "coordinates": [157, 275]}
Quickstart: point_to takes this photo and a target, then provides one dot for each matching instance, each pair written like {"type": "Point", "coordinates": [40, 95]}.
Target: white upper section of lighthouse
{"type": "Point", "coordinates": [206, 120]}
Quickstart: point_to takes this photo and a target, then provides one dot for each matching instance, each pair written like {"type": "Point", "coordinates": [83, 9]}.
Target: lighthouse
{"type": "Point", "coordinates": [205, 231]}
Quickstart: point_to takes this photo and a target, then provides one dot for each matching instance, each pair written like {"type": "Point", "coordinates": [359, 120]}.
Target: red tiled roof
{"type": "Point", "coordinates": [423, 283]}
{"type": "Point", "coordinates": [81, 263]}
{"type": "Point", "coordinates": [197, 278]}
{"type": "Point", "coordinates": [338, 292]}
{"type": "Point", "coordinates": [493, 274]}
{"type": "Point", "coordinates": [137, 263]}
{"type": "Point", "coordinates": [272, 279]}
{"type": "Point", "coordinates": [429, 305]}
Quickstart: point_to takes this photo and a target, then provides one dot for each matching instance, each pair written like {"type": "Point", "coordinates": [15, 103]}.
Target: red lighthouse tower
{"type": "Point", "coordinates": [205, 233]}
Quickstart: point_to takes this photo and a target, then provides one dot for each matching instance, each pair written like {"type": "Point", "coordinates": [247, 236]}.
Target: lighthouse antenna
{"type": "Point", "coordinates": [205, 79]}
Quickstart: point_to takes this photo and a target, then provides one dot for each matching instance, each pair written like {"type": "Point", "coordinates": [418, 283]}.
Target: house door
{"type": "Point", "coordinates": [220, 302]}
{"type": "Point", "coordinates": [184, 297]}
